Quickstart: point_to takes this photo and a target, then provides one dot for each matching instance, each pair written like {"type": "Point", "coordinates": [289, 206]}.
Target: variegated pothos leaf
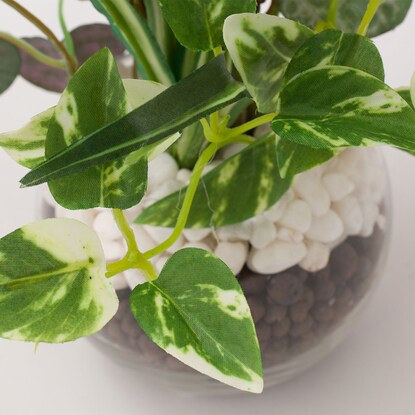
{"type": "Point", "coordinates": [243, 186]}
{"type": "Point", "coordinates": [261, 46]}
{"type": "Point", "coordinates": [405, 93]}
{"type": "Point", "coordinates": [52, 283]}
{"type": "Point", "coordinates": [196, 312]}
{"type": "Point", "coordinates": [336, 106]}
{"type": "Point", "coordinates": [198, 24]}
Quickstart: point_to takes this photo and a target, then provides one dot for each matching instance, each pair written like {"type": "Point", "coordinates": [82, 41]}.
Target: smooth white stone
{"type": "Point", "coordinates": [232, 149]}
{"type": "Point", "coordinates": [309, 187]}
{"type": "Point", "coordinates": [160, 234]}
{"type": "Point", "coordinates": [85, 216]}
{"type": "Point", "coordinates": [144, 241]}
{"type": "Point", "coordinates": [196, 235]}
{"type": "Point", "coordinates": [132, 213]}
{"type": "Point", "coordinates": [289, 235]}
{"type": "Point", "coordinates": [276, 257]}
{"type": "Point", "coordinates": [370, 217]}
{"type": "Point", "coordinates": [212, 165]}
{"type": "Point", "coordinates": [161, 261]}
{"type": "Point", "coordinates": [113, 250]}
{"type": "Point", "coordinates": [263, 232]}
{"type": "Point", "coordinates": [200, 245]}
{"type": "Point", "coordinates": [351, 214]}
{"type": "Point", "coordinates": [161, 169]}
{"type": "Point", "coordinates": [276, 211]}
{"type": "Point", "coordinates": [119, 282]}
{"type": "Point", "coordinates": [233, 254]}
{"type": "Point", "coordinates": [317, 257]}
{"type": "Point", "coordinates": [297, 216]}
{"type": "Point", "coordinates": [177, 245]}
{"type": "Point", "coordinates": [183, 176]}
{"type": "Point", "coordinates": [338, 185]}
{"type": "Point", "coordinates": [382, 222]}
{"type": "Point", "coordinates": [105, 226]}
{"type": "Point", "coordinates": [165, 189]}
{"type": "Point", "coordinates": [325, 229]}
{"type": "Point", "coordinates": [241, 231]}
{"type": "Point", "coordinates": [134, 277]}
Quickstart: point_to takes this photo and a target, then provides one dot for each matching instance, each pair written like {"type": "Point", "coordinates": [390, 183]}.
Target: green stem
{"type": "Point", "coordinates": [71, 64]}
{"type": "Point", "coordinates": [332, 13]}
{"type": "Point", "coordinates": [204, 159]}
{"type": "Point", "coordinates": [250, 125]}
{"type": "Point", "coordinates": [68, 38]}
{"type": "Point", "coordinates": [35, 53]}
{"type": "Point", "coordinates": [371, 10]}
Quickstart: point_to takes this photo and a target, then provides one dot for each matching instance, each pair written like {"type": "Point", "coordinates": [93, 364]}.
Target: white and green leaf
{"type": "Point", "coordinates": [205, 91]}
{"type": "Point", "coordinates": [196, 312]}
{"type": "Point", "coordinates": [261, 47]}
{"type": "Point", "coordinates": [52, 283]}
{"type": "Point", "coordinates": [241, 187]}
{"type": "Point", "coordinates": [350, 12]}
{"type": "Point", "coordinates": [198, 24]}
{"type": "Point", "coordinates": [336, 106]}
{"type": "Point", "coordinates": [405, 93]}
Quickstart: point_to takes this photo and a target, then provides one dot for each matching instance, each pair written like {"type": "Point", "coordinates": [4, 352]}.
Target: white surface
{"type": "Point", "coordinates": [373, 372]}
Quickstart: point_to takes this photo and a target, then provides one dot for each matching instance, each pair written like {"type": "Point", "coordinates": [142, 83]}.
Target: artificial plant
{"type": "Point", "coordinates": [305, 68]}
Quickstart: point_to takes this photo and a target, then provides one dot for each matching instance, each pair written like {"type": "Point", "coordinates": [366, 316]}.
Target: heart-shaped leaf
{"type": "Point", "coordinates": [52, 283]}
{"type": "Point", "coordinates": [243, 186]}
{"type": "Point", "coordinates": [9, 64]}
{"type": "Point", "coordinates": [198, 24]}
{"type": "Point", "coordinates": [205, 91]}
{"type": "Point", "coordinates": [196, 312]}
{"type": "Point", "coordinates": [350, 12]}
{"type": "Point", "coordinates": [261, 47]}
{"type": "Point", "coordinates": [335, 106]}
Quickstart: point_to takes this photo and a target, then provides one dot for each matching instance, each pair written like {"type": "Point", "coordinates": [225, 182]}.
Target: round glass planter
{"type": "Point", "coordinates": [300, 316]}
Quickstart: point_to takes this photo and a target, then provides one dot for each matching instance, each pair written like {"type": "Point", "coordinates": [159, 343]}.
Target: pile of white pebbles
{"type": "Point", "coordinates": [324, 206]}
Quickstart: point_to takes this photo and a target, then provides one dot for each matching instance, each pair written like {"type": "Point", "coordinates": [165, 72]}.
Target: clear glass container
{"type": "Point", "coordinates": [300, 316]}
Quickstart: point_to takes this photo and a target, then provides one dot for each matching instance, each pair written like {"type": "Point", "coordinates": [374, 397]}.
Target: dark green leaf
{"type": "Point", "coordinates": [405, 93]}
{"type": "Point", "coordinates": [9, 64]}
{"type": "Point", "coordinates": [198, 24]}
{"type": "Point", "coordinates": [205, 91]}
{"type": "Point", "coordinates": [196, 312]}
{"type": "Point", "coordinates": [241, 187]}
{"type": "Point", "coordinates": [52, 283]}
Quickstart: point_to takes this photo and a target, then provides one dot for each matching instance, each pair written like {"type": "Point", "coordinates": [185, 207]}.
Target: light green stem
{"type": "Point", "coordinates": [332, 14]}
{"type": "Point", "coordinates": [371, 10]}
{"type": "Point", "coordinates": [204, 159]}
{"type": "Point", "coordinates": [250, 125]}
{"type": "Point", "coordinates": [35, 53]}
{"type": "Point", "coordinates": [68, 38]}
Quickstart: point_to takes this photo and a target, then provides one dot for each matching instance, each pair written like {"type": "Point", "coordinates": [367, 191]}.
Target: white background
{"type": "Point", "coordinates": [372, 372]}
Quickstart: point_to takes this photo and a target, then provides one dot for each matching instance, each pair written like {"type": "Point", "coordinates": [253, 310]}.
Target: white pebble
{"type": "Point", "coordinates": [310, 188]}
{"type": "Point", "coordinates": [276, 257]}
{"type": "Point", "coordinates": [144, 241]}
{"type": "Point", "coordinates": [351, 214]}
{"type": "Point", "coordinates": [370, 217]}
{"type": "Point", "coordinates": [212, 165]}
{"type": "Point", "coordinates": [85, 216]}
{"type": "Point", "coordinates": [326, 229]}
{"type": "Point", "coordinates": [241, 231]}
{"type": "Point", "coordinates": [232, 149]}
{"type": "Point", "coordinates": [338, 185]}
{"type": "Point", "coordinates": [233, 254]}
{"type": "Point", "coordinates": [160, 234]}
{"type": "Point", "coordinates": [132, 213]}
{"type": "Point", "coordinates": [289, 235]}
{"type": "Point", "coordinates": [276, 211]}
{"type": "Point", "coordinates": [165, 189]}
{"type": "Point", "coordinates": [183, 176]}
{"type": "Point", "coordinates": [263, 232]}
{"type": "Point", "coordinates": [200, 245]}
{"type": "Point", "coordinates": [105, 226]}
{"type": "Point", "coordinates": [160, 262]}
{"type": "Point", "coordinates": [134, 277]}
{"type": "Point", "coordinates": [297, 216]}
{"type": "Point", "coordinates": [317, 257]}
{"type": "Point", "coordinates": [161, 169]}
{"type": "Point", "coordinates": [113, 250]}
{"type": "Point", "coordinates": [119, 282]}
{"type": "Point", "coordinates": [196, 235]}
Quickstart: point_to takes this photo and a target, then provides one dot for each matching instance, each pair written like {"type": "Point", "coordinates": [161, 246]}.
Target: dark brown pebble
{"type": "Point", "coordinates": [324, 289]}
{"type": "Point", "coordinates": [285, 289]}
{"type": "Point", "coordinates": [300, 329]}
{"type": "Point", "coordinates": [173, 364]}
{"type": "Point", "coordinates": [114, 331]}
{"type": "Point", "coordinates": [343, 263]}
{"type": "Point", "coordinates": [323, 312]}
{"type": "Point", "coordinates": [299, 311]}
{"type": "Point", "coordinates": [122, 310]}
{"type": "Point", "coordinates": [342, 310]}
{"type": "Point", "coordinates": [257, 308]}
{"type": "Point", "coordinates": [150, 350]}
{"type": "Point", "coordinates": [263, 331]}
{"type": "Point", "coordinates": [364, 268]}
{"type": "Point", "coordinates": [129, 326]}
{"type": "Point", "coordinates": [277, 348]}
{"type": "Point", "coordinates": [281, 328]}
{"type": "Point", "coordinates": [253, 284]}
{"type": "Point", "coordinates": [275, 313]}
{"type": "Point", "coordinates": [344, 295]}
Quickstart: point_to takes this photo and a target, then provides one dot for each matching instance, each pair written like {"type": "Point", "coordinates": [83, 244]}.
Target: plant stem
{"type": "Point", "coordinates": [244, 128]}
{"type": "Point", "coordinates": [332, 13]}
{"type": "Point", "coordinates": [134, 258]}
{"type": "Point", "coordinates": [371, 10]}
{"type": "Point", "coordinates": [35, 53]}
{"type": "Point", "coordinates": [71, 64]}
{"type": "Point", "coordinates": [204, 159]}
{"type": "Point", "coordinates": [68, 38]}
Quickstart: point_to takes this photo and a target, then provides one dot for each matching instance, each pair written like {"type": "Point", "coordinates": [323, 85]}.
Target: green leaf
{"type": "Point", "coordinates": [131, 28]}
{"type": "Point", "coordinates": [405, 93]}
{"type": "Point", "coordinates": [9, 64]}
{"type": "Point", "coordinates": [261, 46]}
{"type": "Point", "coordinates": [205, 91]}
{"type": "Point", "coordinates": [337, 106]}
{"type": "Point", "coordinates": [333, 47]}
{"type": "Point", "coordinates": [27, 145]}
{"type": "Point", "coordinates": [94, 97]}
{"type": "Point", "coordinates": [350, 12]}
{"type": "Point", "coordinates": [52, 283]}
{"type": "Point", "coordinates": [198, 24]}
{"type": "Point", "coordinates": [243, 186]}
{"type": "Point", "coordinates": [196, 312]}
